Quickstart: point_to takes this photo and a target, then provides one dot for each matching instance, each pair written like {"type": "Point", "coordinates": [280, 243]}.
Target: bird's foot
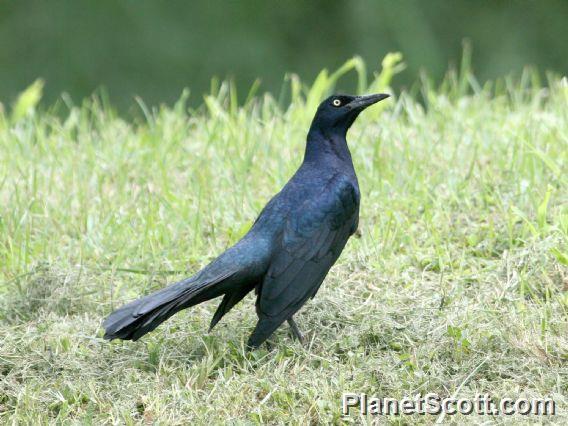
{"type": "Point", "coordinates": [296, 331]}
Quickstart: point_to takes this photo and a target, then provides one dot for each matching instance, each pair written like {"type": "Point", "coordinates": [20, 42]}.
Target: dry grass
{"type": "Point", "coordinates": [461, 267]}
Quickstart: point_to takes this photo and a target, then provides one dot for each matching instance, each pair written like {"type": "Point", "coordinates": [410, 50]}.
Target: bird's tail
{"type": "Point", "coordinates": [141, 316]}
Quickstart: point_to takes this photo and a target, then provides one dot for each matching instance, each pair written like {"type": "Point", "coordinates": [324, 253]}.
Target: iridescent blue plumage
{"type": "Point", "coordinates": [290, 248]}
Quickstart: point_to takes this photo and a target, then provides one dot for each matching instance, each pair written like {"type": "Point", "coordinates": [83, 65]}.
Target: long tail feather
{"type": "Point", "coordinates": [141, 316]}
{"type": "Point", "coordinates": [228, 302]}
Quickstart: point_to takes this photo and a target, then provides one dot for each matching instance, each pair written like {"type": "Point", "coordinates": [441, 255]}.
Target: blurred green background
{"type": "Point", "coordinates": [153, 48]}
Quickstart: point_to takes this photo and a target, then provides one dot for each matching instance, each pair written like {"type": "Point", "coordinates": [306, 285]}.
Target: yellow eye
{"type": "Point", "coordinates": [336, 102]}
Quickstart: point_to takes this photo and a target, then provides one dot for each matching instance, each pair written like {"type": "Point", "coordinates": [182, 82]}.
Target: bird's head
{"type": "Point", "coordinates": [338, 112]}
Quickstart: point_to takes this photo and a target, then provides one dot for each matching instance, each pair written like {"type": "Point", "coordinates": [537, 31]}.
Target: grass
{"type": "Point", "coordinates": [458, 283]}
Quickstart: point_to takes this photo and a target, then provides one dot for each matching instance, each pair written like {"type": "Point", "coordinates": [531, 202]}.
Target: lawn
{"type": "Point", "coordinates": [457, 283]}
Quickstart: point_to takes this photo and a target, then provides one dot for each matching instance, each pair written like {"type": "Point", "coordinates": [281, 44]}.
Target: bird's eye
{"type": "Point", "coordinates": [336, 102]}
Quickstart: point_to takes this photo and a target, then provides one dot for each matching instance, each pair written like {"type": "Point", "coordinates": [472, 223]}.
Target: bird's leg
{"type": "Point", "coordinates": [295, 330]}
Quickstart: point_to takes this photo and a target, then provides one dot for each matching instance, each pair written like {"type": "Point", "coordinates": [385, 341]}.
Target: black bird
{"type": "Point", "coordinates": [290, 248]}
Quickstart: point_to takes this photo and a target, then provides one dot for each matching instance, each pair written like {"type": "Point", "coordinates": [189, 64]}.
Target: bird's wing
{"type": "Point", "coordinates": [312, 240]}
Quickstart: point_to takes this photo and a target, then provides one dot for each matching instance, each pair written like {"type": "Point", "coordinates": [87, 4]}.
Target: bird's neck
{"type": "Point", "coordinates": [323, 146]}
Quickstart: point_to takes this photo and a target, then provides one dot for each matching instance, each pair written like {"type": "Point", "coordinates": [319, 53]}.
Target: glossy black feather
{"type": "Point", "coordinates": [290, 248]}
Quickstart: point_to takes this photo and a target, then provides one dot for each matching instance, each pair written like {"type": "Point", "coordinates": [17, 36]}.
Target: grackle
{"type": "Point", "coordinates": [288, 251]}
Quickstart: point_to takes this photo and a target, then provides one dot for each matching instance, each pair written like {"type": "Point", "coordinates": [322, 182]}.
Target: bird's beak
{"type": "Point", "coordinates": [362, 102]}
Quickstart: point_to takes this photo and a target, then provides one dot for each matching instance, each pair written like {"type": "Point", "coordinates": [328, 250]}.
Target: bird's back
{"type": "Point", "coordinates": [317, 212]}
